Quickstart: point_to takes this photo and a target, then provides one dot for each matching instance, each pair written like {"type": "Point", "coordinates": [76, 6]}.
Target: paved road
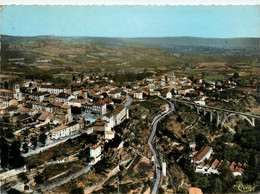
{"type": "Point", "coordinates": [220, 109]}
{"type": "Point", "coordinates": [158, 168]}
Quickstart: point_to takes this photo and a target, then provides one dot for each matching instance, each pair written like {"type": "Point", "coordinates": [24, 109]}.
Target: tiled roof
{"type": "Point", "coordinates": [108, 100]}
{"type": "Point", "coordinates": [63, 95]}
{"type": "Point", "coordinates": [232, 166]}
{"type": "Point", "coordinates": [6, 91]}
{"type": "Point", "coordinates": [72, 123]}
{"type": "Point", "coordinates": [44, 116]}
{"type": "Point", "coordinates": [11, 108]}
{"type": "Point", "coordinates": [95, 147]}
{"type": "Point", "coordinates": [100, 103]}
{"type": "Point", "coordinates": [195, 190]}
{"type": "Point", "coordinates": [118, 109]}
{"type": "Point", "coordinates": [58, 104]}
{"type": "Point", "coordinates": [99, 123]}
{"type": "Point", "coordinates": [110, 132]}
{"type": "Point", "coordinates": [202, 153]}
{"type": "Point", "coordinates": [23, 116]}
{"type": "Point", "coordinates": [59, 128]}
{"type": "Point", "coordinates": [115, 91]}
{"type": "Point", "coordinates": [36, 103]}
{"type": "Point", "coordinates": [165, 91]}
{"type": "Point", "coordinates": [215, 163]}
{"type": "Point", "coordinates": [57, 87]}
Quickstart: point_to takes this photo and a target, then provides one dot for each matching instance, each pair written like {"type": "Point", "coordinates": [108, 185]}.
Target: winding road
{"type": "Point", "coordinates": [158, 168]}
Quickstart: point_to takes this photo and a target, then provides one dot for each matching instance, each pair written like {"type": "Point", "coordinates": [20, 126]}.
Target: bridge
{"type": "Point", "coordinates": [226, 113]}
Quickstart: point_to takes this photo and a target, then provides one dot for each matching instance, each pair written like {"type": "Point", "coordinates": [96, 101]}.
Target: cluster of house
{"type": "Point", "coordinates": [164, 86]}
{"type": "Point", "coordinates": [35, 105]}
{"type": "Point", "coordinates": [41, 103]}
{"type": "Point", "coordinates": [97, 108]}
{"type": "Point", "coordinates": [202, 163]}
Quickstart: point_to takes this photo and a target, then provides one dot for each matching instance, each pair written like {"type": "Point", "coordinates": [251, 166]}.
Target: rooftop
{"type": "Point", "coordinates": [201, 154]}
{"type": "Point", "coordinates": [57, 87]}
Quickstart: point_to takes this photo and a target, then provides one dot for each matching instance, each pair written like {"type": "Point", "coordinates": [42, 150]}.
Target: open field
{"type": "Point", "coordinates": [215, 77]}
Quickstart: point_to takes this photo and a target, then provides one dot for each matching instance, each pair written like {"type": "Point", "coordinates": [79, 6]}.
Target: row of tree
{"type": "Point", "coordinates": [11, 154]}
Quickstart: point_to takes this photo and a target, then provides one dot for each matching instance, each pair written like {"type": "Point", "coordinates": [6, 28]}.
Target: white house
{"type": "Point", "coordinates": [109, 135]}
{"type": "Point", "coordinates": [66, 130]}
{"type": "Point", "coordinates": [89, 130]}
{"type": "Point", "coordinates": [138, 95]}
{"type": "Point", "coordinates": [120, 113]}
{"type": "Point", "coordinates": [38, 96]}
{"type": "Point", "coordinates": [200, 102]}
{"type": "Point", "coordinates": [54, 89]}
{"type": "Point", "coordinates": [36, 105]}
{"type": "Point", "coordinates": [110, 120]}
{"type": "Point", "coordinates": [74, 102]}
{"type": "Point", "coordinates": [116, 117]}
{"type": "Point", "coordinates": [166, 93]}
{"type": "Point", "coordinates": [115, 93]}
{"type": "Point", "coordinates": [95, 152]}
{"type": "Point", "coordinates": [63, 97]}
{"type": "Point", "coordinates": [185, 90]}
{"type": "Point", "coordinates": [205, 170]}
{"type": "Point", "coordinates": [100, 107]}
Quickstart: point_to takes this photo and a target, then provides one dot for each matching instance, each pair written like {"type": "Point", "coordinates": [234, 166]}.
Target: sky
{"type": "Point", "coordinates": [132, 21]}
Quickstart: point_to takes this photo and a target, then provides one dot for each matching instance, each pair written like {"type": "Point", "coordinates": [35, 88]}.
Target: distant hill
{"type": "Point", "coordinates": [193, 41]}
{"type": "Point", "coordinates": [176, 45]}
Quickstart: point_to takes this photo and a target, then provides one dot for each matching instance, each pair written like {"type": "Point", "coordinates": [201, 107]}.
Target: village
{"type": "Point", "coordinates": [42, 115]}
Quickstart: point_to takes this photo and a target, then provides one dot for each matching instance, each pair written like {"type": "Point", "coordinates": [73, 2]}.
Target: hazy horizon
{"type": "Point", "coordinates": [42, 35]}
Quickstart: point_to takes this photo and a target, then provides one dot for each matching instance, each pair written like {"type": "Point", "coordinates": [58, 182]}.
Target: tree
{"type": "Point", "coordinates": [99, 167]}
{"type": "Point", "coordinates": [6, 85]}
{"type": "Point", "coordinates": [15, 159]}
{"type": "Point", "coordinates": [191, 77]}
{"type": "Point", "coordinates": [25, 147]}
{"type": "Point", "coordinates": [38, 179]}
{"type": "Point", "coordinates": [85, 154]}
{"type": "Point", "coordinates": [42, 129]}
{"type": "Point", "coordinates": [201, 140]}
{"type": "Point", "coordinates": [13, 191]}
{"type": "Point", "coordinates": [218, 186]}
{"type": "Point", "coordinates": [42, 138]}
{"type": "Point", "coordinates": [22, 176]}
{"type": "Point", "coordinates": [226, 173]}
{"type": "Point", "coordinates": [34, 141]}
{"type": "Point", "coordinates": [227, 137]}
{"type": "Point", "coordinates": [77, 190]}
{"type": "Point", "coordinates": [236, 75]}
{"type": "Point", "coordinates": [4, 152]}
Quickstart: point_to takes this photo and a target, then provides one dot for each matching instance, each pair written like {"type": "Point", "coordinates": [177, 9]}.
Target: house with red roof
{"type": "Point", "coordinates": [203, 154]}
{"type": "Point", "coordinates": [195, 190]}
{"type": "Point", "coordinates": [116, 93]}
{"type": "Point", "coordinates": [63, 97]}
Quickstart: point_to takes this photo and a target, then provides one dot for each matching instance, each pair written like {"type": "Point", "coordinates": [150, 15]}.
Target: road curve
{"type": "Point", "coordinates": [158, 167]}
